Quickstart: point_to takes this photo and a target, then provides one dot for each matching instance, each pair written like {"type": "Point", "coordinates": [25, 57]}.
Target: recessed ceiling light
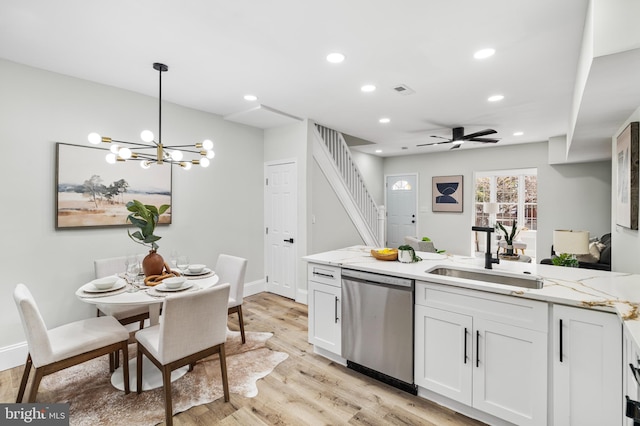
{"type": "Point", "coordinates": [378, 151]}
{"type": "Point", "coordinates": [335, 58]}
{"type": "Point", "coordinates": [368, 88]}
{"type": "Point", "coordinates": [518, 134]}
{"type": "Point", "coordinates": [250, 98]}
{"type": "Point", "coordinates": [384, 120]}
{"type": "Point", "coordinates": [484, 53]}
{"type": "Point", "coordinates": [495, 98]}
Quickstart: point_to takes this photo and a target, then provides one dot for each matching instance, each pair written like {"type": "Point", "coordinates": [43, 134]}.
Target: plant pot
{"type": "Point", "coordinates": [405, 256]}
{"type": "Point", "coordinates": [509, 250]}
{"type": "Point", "coordinates": [152, 264]}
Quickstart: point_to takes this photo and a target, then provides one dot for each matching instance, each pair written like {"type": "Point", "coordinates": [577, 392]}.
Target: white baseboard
{"type": "Point", "coordinates": [13, 355]}
{"type": "Point", "coordinates": [254, 287]}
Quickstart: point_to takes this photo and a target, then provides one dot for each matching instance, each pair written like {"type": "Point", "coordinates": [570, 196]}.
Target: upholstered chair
{"type": "Point", "coordinates": [129, 314]}
{"type": "Point", "coordinates": [67, 345]}
{"type": "Point", "coordinates": [194, 326]}
{"type": "Point", "coordinates": [231, 269]}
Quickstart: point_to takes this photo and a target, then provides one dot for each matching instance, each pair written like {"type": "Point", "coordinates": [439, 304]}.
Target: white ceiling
{"type": "Point", "coordinates": [218, 51]}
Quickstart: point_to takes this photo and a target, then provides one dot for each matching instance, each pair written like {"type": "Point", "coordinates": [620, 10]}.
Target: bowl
{"type": "Point", "coordinates": [174, 282]}
{"type": "Point", "coordinates": [196, 268]}
{"type": "Point", "coordinates": [105, 283]}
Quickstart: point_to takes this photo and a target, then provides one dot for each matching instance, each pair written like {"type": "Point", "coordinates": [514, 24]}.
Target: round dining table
{"type": "Point", "coordinates": [125, 293]}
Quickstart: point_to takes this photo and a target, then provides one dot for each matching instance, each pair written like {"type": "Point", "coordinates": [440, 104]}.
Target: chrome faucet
{"type": "Point", "coordinates": [488, 259]}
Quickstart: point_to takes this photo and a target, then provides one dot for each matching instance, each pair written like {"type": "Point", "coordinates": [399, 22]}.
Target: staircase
{"type": "Point", "coordinates": [334, 159]}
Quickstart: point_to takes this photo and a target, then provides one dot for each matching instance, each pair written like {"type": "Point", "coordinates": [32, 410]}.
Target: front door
{"type": "Point", "coordinates": [281, 224]}
{"type": "Point", "coordinates": [401, 193]}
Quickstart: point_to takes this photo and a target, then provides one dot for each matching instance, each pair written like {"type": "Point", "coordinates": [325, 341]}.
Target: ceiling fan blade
{"type": "Point", "coordinates": [478, 134]}
{"type": "Point", "coordinates": [441, 137]}
{"type": "Point", "coordinates": [458, 145]}
{"type": "Point", "coordinates": [434, 143]}
{"type": "Point", "coordinates": [485, 140]}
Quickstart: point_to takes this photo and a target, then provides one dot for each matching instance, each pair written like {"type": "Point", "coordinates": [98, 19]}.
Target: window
{"type": "Point", "coordinates": [516, 194]}
{"type": "Point", "coordinates": [401, 185]}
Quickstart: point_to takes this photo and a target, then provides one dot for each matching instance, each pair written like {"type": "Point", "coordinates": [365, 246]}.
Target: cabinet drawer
{"type": "Point", "coordinates": [512, 310]}
{"type": "Point", "coordinates": [324, 274]}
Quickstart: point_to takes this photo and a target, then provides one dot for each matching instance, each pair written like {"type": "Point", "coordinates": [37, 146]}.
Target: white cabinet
{"type": "Point", "coordinates": [587, 377]}
{"type": "Point", "coordinates": [484, 350]}
{"type": "Point", "coordinates": [325, 322]}
{"type": "Point", "coordinates": [630, 358]}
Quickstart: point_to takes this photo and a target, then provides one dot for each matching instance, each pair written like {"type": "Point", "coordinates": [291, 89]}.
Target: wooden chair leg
{"type": "Point", "coordinates": [125, 366]}
{"type": "Point", "coordinates": [168, 408]}
{"type": "Point", "coordinates": [241, 322]}
{"type": "Point", "coordinates": [223, 371]}
{"type": "Point", "coordinates": [116, 359]}
{"type": "Point", "coordinates": [25, 378]}
{"type": "Point", "coordinates": [139, 370]}
{"type": "Point", "coordinates": [39, 373]}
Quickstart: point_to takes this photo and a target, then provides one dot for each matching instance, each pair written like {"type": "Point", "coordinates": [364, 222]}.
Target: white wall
{"type": "Point", "coordinates": [575, 196]}
{"type": "Point", "coordinates": [625, 243]}
{"type": "Point", "coordinates": [290, 143]}
{"type": "Point", "coordinates": [215, 209]}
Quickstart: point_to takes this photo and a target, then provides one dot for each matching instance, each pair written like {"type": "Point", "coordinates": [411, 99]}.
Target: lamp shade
{"type": "Point", "coordinates": [571, 242]}
{"type": "Point", "coordinates": [491, 208]}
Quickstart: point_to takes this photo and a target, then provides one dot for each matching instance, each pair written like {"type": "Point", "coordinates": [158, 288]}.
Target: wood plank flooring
{"type": "Point", "coordinates": [305, 389]}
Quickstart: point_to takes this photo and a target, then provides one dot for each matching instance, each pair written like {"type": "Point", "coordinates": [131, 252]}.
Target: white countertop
{"type": "Point", "coordinates": [587, 288]}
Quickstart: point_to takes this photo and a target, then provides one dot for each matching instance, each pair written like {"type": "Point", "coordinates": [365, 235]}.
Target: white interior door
{"type": "Point", "coordinates": [281, 224]}
{"type": "Point", "coordinates": [402, 204]}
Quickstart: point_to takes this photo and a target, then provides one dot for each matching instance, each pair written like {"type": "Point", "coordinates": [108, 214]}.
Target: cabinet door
{"type": "Point", "coordinates": [443, 352]}
{"type": "Point", "coordinates": [510, 372]}
{"type": "Point", "coordinates": [324, 317]}
{"type": "Point", "coordinates": [630, 355]}
{"type": "Point", "coordinates": [587, 378]}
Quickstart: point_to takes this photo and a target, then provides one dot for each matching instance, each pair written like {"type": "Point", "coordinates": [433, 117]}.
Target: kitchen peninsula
{"type": "Point", "coordinates": [500, 353]}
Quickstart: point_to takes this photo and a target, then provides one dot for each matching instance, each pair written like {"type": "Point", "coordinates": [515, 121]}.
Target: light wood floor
{"type": "Point", "coordinates": [305, 389]}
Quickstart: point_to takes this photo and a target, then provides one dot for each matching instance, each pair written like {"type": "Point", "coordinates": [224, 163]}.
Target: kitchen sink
{"type": "Point", "coordinates": [525, 281]}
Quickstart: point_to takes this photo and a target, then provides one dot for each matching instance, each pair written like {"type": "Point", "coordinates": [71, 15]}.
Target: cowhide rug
{"type": "Point", "coordinates": [94, 401]}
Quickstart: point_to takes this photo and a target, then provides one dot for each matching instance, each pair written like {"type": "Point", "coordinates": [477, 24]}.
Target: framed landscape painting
{"type": "Point", "coordinates": [627, 177]}
{"type": "Point", "coordinates": [93, 193]}
{"type": "Point", "coordinates": [447, 193]}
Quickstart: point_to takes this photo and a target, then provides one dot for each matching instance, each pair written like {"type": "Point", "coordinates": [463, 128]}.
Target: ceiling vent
{"type": "Point", "coordinates": [403, 89]}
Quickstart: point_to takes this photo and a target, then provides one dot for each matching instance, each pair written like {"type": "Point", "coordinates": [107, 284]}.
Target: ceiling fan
{"type": "Point", "coordinates": [459, 137]}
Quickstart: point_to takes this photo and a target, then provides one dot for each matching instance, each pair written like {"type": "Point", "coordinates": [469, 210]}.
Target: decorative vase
{"type": "Point", "coordinates": [152, 264]}
{"type": "Point", "coordinates": [405, 256]}
{"type": "Point", "coordinates": [509, 250]}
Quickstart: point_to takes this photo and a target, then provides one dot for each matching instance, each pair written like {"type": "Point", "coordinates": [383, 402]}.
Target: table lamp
{"type": "Point", "coordinates": [568, 243]}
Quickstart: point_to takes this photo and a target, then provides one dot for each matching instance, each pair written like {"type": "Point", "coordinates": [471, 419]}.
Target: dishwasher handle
{"type": "Point", "coordinates": [335, 307]}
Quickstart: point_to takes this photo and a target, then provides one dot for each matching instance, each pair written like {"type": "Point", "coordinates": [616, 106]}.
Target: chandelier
{"type": "Point", "coordinates": [150, 151]}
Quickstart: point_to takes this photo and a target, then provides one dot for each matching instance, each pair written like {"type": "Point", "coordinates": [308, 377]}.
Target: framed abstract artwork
{"type": "Point", "coordinates": [93, 193]}
{"type": "Point", "coordinates": [627, 177]}
{"type": "Point", "coordinates": [447, 193]}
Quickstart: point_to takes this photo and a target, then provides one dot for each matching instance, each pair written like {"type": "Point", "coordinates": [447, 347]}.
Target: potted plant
{"type": "Point", "coordinates": [145, 218]}
{"type": "Point", "coordinates": [406, 254]}
{"type": "Point", "coordinates": [509, 236]}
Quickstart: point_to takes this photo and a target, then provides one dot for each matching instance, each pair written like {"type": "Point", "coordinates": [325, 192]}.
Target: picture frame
{"type": "Point", "coordinates": [627, 178]}
{"type": "Point", "coordinates": [447, 192]}
{"type": "Point", "coordinates": [91, 193]}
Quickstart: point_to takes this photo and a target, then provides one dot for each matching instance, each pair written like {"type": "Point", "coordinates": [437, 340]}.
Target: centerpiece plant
{"type": "Point", "coordinates": [146, 217]}
{"type": "Point", "coordinates": [509, 235]}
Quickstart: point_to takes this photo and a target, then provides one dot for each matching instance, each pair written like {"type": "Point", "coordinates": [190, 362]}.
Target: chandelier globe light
{"type": "Point", "coordinates": [120, 151]}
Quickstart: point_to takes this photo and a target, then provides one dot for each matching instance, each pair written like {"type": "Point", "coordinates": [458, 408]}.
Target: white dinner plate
{"type": "Point", "coordinates": [193, 274]}
{"type": "Point", "coordinates": [162, 287]}
{"type": "Point", "coordinates": [90, 288]}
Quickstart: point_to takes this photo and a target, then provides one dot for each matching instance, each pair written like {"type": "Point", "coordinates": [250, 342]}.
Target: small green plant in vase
{"type": "Point", "coordinates": [509, 235]}
{"type": "Point", "coordinates": [411, 254]}
{"type": "Point", "coordinates": [145, 217]}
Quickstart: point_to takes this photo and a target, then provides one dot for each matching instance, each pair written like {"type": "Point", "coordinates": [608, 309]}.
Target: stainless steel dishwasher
{"type": "Point", "coordinates": [377, 327]}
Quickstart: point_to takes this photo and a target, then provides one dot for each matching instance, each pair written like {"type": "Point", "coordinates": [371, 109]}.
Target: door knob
{"type": "Point", "coordinates": [290, 240]}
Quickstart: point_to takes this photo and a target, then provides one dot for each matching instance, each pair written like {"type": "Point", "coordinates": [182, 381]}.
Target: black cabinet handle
{"type": "Point", "coordinates": [477, 348]}
{"type": "Point", "coordinates": [290, 240]}
{"type": "Point", "coordinates": [465, 345]}
{"type": "Point", "coordinates": [560, 340]}
{"type": "Point", "coordinates": [336, 310]}
{"type": "Point", "coordinates": [323, 275]}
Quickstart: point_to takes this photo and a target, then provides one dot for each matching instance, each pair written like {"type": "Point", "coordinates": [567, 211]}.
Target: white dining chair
{"type": "Point", "coordinates": [67, 345]}
{"type": "Point", "coordinates": [194, 326]}
{"type": "Point", "coordinates": [129, 314]}
{"type": "Point", "coordinates": [232, 269]}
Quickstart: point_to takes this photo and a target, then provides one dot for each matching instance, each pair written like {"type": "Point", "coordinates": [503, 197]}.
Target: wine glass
{"type": "Point", "coordinates": [183, 263]}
